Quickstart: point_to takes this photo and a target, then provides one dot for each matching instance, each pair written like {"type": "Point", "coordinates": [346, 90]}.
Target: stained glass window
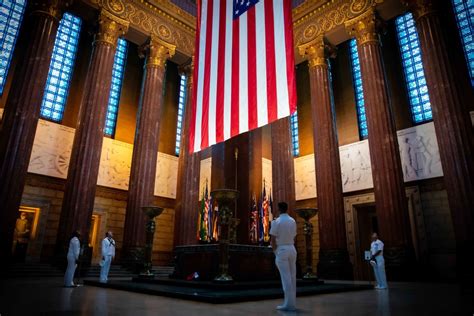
{"type": "Point", "coordinates": [413, 69]}
{"type": "Point", "coordinates": [116, 87]}
{"type": "Point", "coordinates": [464, 11]}
{"type": "Point", "coordinates": [358, 89]}
{"type": "Point", "coordinates": [294, 133]}
{"type": "Point", "coordinates": [11, 14]}
{"type": "Point", "coordinates": [61, 67]}
{"type": "Point", "coordinates": [181, 104]}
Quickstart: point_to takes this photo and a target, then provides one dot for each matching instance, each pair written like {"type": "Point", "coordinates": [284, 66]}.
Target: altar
{"type": "Point", "coordinates": [246, 262]}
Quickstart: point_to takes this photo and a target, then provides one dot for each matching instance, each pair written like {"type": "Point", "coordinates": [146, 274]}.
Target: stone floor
{"type": "Point", "coordinates": [47, 297]}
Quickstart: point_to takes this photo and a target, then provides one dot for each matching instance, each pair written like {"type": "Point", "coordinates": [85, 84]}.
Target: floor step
{"type": "Point", "coordinates": [34, 270]}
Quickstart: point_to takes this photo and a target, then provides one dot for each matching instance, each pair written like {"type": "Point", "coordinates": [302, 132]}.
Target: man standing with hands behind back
{"type": "Point", "coordinates": [108, 253]}
{"type": "Point", "coordinates": [283, 232]}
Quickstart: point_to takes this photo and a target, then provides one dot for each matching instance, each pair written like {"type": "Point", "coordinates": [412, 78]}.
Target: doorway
{"type": "Point", "coordinates": [366, 224]}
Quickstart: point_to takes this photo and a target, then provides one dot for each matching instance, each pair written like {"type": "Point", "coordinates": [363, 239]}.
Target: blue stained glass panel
{"type": "Point", "coordinates": [11, 14]}
{"type": "Point", "coordinates": [413, 68]}
{"type": "Point", "coordinates": [116, 87]}
{"type": "Point", "coordinates": [358, 89]}
{"type": "Point", "coordinates": [464, 11]}
{"type": "Point", "coordinates": [181, 105]}
{"type": "Point", "coordinates": [60, 69]}
{"type": "Point", "coordinates": [294, 133]}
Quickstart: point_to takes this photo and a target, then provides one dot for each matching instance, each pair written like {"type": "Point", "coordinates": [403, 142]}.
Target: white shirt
{"type": "Point", "coordinates": [108, 247]}
{"type": "Point", "coordinates": [376, 246]}
{"type": "Point", "coordinates": [284, 230]}
{"type": "Point", "coordinates": [74, 248]}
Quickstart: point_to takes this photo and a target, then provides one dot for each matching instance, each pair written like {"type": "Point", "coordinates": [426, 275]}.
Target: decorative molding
{"type": "Point", "coordinates": [165, 20]}
{"type": "Point", "coordinates": [157, 52]}
{"type": "Point", "coordinates": [316, 18]}
{"type": "Point", "coordinates": [364, 27]}
{"type": "Point", "coordinates": [317, 51]}
{"type": "Point", "coordinates": [173, 25]}
{"type": "Point", "coordinates": [110, 28]}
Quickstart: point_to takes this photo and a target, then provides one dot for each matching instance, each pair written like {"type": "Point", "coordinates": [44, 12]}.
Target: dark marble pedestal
{"type": "Point", "coordinates": [246, 262]}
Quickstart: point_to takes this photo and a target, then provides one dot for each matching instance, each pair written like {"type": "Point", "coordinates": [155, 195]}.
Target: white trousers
{"type": "Point", "coordinates": [71, 268]}
{"type": "Point", "coordinates": [286, 263]}
{"type": "Point", "coordinates": [379, 271]}
{"type": "Point", "coordinates": [104, 270]}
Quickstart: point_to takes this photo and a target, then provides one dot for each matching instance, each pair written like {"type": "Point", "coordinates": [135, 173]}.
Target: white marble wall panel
{"type": "Point", "coordinates": [51, 149]}
{"type": "Point", "coordinates": [356, 170]}
{"type": "Point", "coordinates": [205, 176]}
{"type": "Point", "coordinates": [305, 177]}
{"type": "Point", "coordinates": [115, 164]}
{"type": "Point", "coordinates": [419, 155]}
{"type": "Point", "coordinates": [419, 152]}
{"type": "Point", "coordinates": [166, 175]}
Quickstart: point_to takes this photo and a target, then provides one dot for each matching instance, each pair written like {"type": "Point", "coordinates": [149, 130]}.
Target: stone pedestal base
{"type": "Point", "coordinates": [335, 265]}
{"type": "Point", "coordinates": [246, 262]}
{"type": "Point", "coordinates": [400, 263]}
{"type": "Point", "coordinates": [133, 259]}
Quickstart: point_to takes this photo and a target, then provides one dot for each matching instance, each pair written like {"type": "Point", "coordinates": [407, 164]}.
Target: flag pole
{"type": "Point", "coordinates": [236, 155]}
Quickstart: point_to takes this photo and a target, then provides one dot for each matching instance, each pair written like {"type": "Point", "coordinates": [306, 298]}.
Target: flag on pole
{"type": "Point", "coordinates": [253, 222]}
{"type": "Point", "coordinates": [265, 217]}
{"type": "Point", "coordinates": [203, 221]}
{"type": "Point", "coordinates": [245, 69]}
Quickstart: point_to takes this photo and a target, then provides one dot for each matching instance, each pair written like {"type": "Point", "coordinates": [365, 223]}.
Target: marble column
{"type": "Point", "coordinates": [22, 111]}
{"type": "Point", "coordinates": [188, 175]}
{"type": "Point", "coordinates": [454, 130]}
{"type": "Point", "coordinates": [79, 194]}
{"type": "Point", "coordinates": [390, 198]}
{"type": "Point", "coordinates": [333, 255]}
{"type": "Point", "coordinates": [283, 171]}
{"type": "Point", "coordinates": [145, 147]}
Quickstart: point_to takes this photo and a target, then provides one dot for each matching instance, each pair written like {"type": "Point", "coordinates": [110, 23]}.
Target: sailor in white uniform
{"type": "Point", "coordinates": [72, 258]}
{"type": "Point", "coordinates": [283, 232]}
{"type": "Point", "coordinates": [108, 253]}
{"type": "Point", "coordinates": [378, 263]}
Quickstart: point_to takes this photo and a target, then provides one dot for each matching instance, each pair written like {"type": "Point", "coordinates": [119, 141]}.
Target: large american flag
{"type": "Point", "coordinates": [245, 72]}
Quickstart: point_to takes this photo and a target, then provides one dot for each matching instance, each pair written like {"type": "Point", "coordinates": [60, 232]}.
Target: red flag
{"type": "Point", "coordinates": [244, 74]}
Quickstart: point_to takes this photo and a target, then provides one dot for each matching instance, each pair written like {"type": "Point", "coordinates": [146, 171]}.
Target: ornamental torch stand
{"type": "Point", "coordinates": [307, 214]}
{"type": "Point", "coordinates": [225, 199]}
{"type": "Point", "coordinates": [151, 212]}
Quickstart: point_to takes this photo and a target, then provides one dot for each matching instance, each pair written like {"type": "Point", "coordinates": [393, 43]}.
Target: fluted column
{"type": "Point", "coordinates": [22, 111]}
{"type": "Point", "coordinates": [283, 172]}
{"type": "Point", "coordinates": [145, 147]}
{"type": "Point", "coordinates": [454, 131]}
{"type": "Point", "coordinates": [390, 198]}
{"type": "Point", "coordinates": [333, 255]}
{"type": "Point", "coordinates": [188, 175]}
{"type": "Point", "coordinates": [79, 194]}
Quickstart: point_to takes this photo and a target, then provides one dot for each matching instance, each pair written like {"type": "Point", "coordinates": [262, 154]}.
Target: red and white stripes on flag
{"type": "Point", "coordinates": [244, 75]}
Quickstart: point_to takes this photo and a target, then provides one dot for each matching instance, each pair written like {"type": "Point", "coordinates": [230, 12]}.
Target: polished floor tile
{"type": "Point", "coordinates": [48, 297]}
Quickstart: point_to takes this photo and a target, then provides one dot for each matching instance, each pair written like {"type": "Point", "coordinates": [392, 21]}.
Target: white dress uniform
{"type": "Point", "coordinates": [284, 231]}
{"type": "Point", "coordinates": [72, 256]}
{"type": "Point", "coordinates": [108, 253]}
{"type": "Point", "coordinates": [379, 266]}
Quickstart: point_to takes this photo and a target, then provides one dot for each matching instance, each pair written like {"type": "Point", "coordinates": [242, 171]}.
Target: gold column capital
{"type": "Point", "coordinates": [364, 27]}
{"type": "Point", "coordinates": [419, 8]}
{"type": "Point", "coordinates": [317, 51]}
{"type": "Point", "coordinates": [157, 52]}
{"type": "Point", "coordinates": [51, 8]}
{"type": "Point", "coordinates": [110, 28]}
